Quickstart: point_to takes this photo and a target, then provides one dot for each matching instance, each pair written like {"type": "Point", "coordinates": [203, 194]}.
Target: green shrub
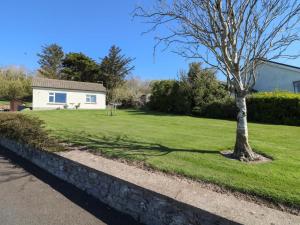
{"type": "Point", "coordinates": [275, 108]}
{"type": "Point", "coordinates": [222, 109]}
{"type": "Point", "coordinates": [202, 86]}
{"type": "Point", "coordinates": [169, 96]}
{"type": "Point", "coordinates": [25, 129]}
{"type": "Point", "coordinates": [271, 107]}
{"type": "Point", "coordinates": [195, 88]}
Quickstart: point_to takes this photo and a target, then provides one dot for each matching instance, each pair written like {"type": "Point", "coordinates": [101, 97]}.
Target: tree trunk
{"type": "Point", "coordinates": [242, 149]}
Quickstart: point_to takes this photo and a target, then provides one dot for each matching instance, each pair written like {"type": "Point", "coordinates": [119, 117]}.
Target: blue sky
{"type": "Point", "coordinates": [88, 26]}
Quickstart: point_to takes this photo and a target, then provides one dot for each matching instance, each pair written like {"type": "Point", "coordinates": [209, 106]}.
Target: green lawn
{"type": "Point", "coordinates": [189, 146]}
{"type": "Point", "coordinates": [4, 102]}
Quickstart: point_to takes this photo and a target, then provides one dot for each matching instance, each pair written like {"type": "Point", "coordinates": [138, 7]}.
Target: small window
{"type": "Point", "coordinates": [57, 97]}
{"type": "Point", "coordinates": [91, 99]}
{"type": "Point", "coordinates": [51, 97]}
{"type": "Point", "coordinates": [297, 86]}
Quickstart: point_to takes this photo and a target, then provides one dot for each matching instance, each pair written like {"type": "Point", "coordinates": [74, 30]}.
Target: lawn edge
{"type": "Point", "coordinates": [219, 188]}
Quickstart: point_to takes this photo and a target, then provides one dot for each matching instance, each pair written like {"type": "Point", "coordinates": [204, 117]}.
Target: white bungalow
{"type": "Point", "coordinates": [272, 76]}
{"type": "Point", "coordinates": [59, 94]}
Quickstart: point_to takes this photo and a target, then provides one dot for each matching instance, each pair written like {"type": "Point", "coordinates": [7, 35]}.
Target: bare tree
{"type": "Point", "coordinates": [233, 35]}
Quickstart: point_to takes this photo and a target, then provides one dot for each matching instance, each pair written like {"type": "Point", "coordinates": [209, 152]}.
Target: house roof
{"type": "Point", "coordinates": [66, 84]}
{"type": "Point", "coordinates": [281, 64]}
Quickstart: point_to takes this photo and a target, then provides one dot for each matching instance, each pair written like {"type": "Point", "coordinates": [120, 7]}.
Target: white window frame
{"type": "Point", "coordinates": [88, 99]}
{"type": "Point", "coordinates": [52, 94]}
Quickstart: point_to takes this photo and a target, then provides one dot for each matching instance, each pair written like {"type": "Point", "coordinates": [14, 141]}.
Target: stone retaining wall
{"type": "Point", "coordinates": [143, 205]}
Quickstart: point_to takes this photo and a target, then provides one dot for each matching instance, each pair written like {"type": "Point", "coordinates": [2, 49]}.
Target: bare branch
{"type": "Point", "coordinates": [234, 33]}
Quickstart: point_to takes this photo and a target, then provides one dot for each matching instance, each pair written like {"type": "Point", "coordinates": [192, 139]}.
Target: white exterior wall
{"type": "Point", "coordinates": [40, 99]}
{"type": "Point", "coordinates": [271, 77]}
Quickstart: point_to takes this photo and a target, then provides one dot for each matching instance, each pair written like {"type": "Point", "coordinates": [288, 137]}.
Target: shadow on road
{"type": "Point", "coordinates": [85, 201]}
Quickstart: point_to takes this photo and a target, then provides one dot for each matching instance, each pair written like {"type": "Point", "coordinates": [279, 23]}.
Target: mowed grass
{"type": "Point", "coordinates": [189, 146]}
{"type": "Point", "coordinates": [2, 102]}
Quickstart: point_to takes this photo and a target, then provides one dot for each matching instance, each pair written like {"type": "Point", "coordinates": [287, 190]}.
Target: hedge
{"type": "Point", "coordinates": [225, 109]}
{"type": "Point", "coordinates": [271, 107]}
{"type": "Point", "coordinates": [275, 108]}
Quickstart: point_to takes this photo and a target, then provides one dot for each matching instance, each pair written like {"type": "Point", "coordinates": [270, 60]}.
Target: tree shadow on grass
{"type": "Point", "coordinates": [150, 113]}
{"type": "Point", "coordinates": [122, 146]}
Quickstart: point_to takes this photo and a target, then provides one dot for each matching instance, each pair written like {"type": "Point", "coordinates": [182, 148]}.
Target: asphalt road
{"type": "Point", "coordinates": [31, 196]}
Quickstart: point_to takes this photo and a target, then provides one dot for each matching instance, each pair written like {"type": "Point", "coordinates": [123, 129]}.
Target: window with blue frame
{"type": "Point", "coordinates": [91, 99]}
{"type": "Point", "coordinates": [57, 97]}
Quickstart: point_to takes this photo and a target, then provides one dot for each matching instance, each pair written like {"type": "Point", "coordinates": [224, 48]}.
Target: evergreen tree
{"type": "Point", "coordinates": [79, 67]}
{"type": "Point", "coordinates": [51, 61]}
{"type": "Point", "coordinates": [194, 72]}
{"type": "Point", "coordinates": [201, 85]}
{"type": "Point", "coordinates": [114, 68]}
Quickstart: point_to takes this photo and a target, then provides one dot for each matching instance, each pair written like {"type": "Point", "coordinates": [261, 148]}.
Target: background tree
{"type": "Point", "coordinates": [169, 96]}
{"type": "Point", "coordinates": [114, 68]}
{"type": "Point", "coordinates": [202, 86]}
{"type": "Point", "coordinates": [235, 34]}
{"type": "Point", "coordinates": [14, 84]}
{"type": "Point", "coordinates": [194, 90]}
{"type": "Point", "coordinates": [194, 72]}
{"type": "Point", "coordinates": [130, 93]}
{"type": "Point", "coordinates": [51, 61]}
{"type": "Point", "coordinates": [79, 67]}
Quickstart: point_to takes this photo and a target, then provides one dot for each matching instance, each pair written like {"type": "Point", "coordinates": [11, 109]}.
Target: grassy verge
{"type": "Point", "coordinates": [4, 102]}
{"type": "Point", "coordinates": [190, 147]}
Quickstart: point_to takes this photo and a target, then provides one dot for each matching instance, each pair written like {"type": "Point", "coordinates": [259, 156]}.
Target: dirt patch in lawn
{"type": "Point", "coordinates": [259, 158]}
